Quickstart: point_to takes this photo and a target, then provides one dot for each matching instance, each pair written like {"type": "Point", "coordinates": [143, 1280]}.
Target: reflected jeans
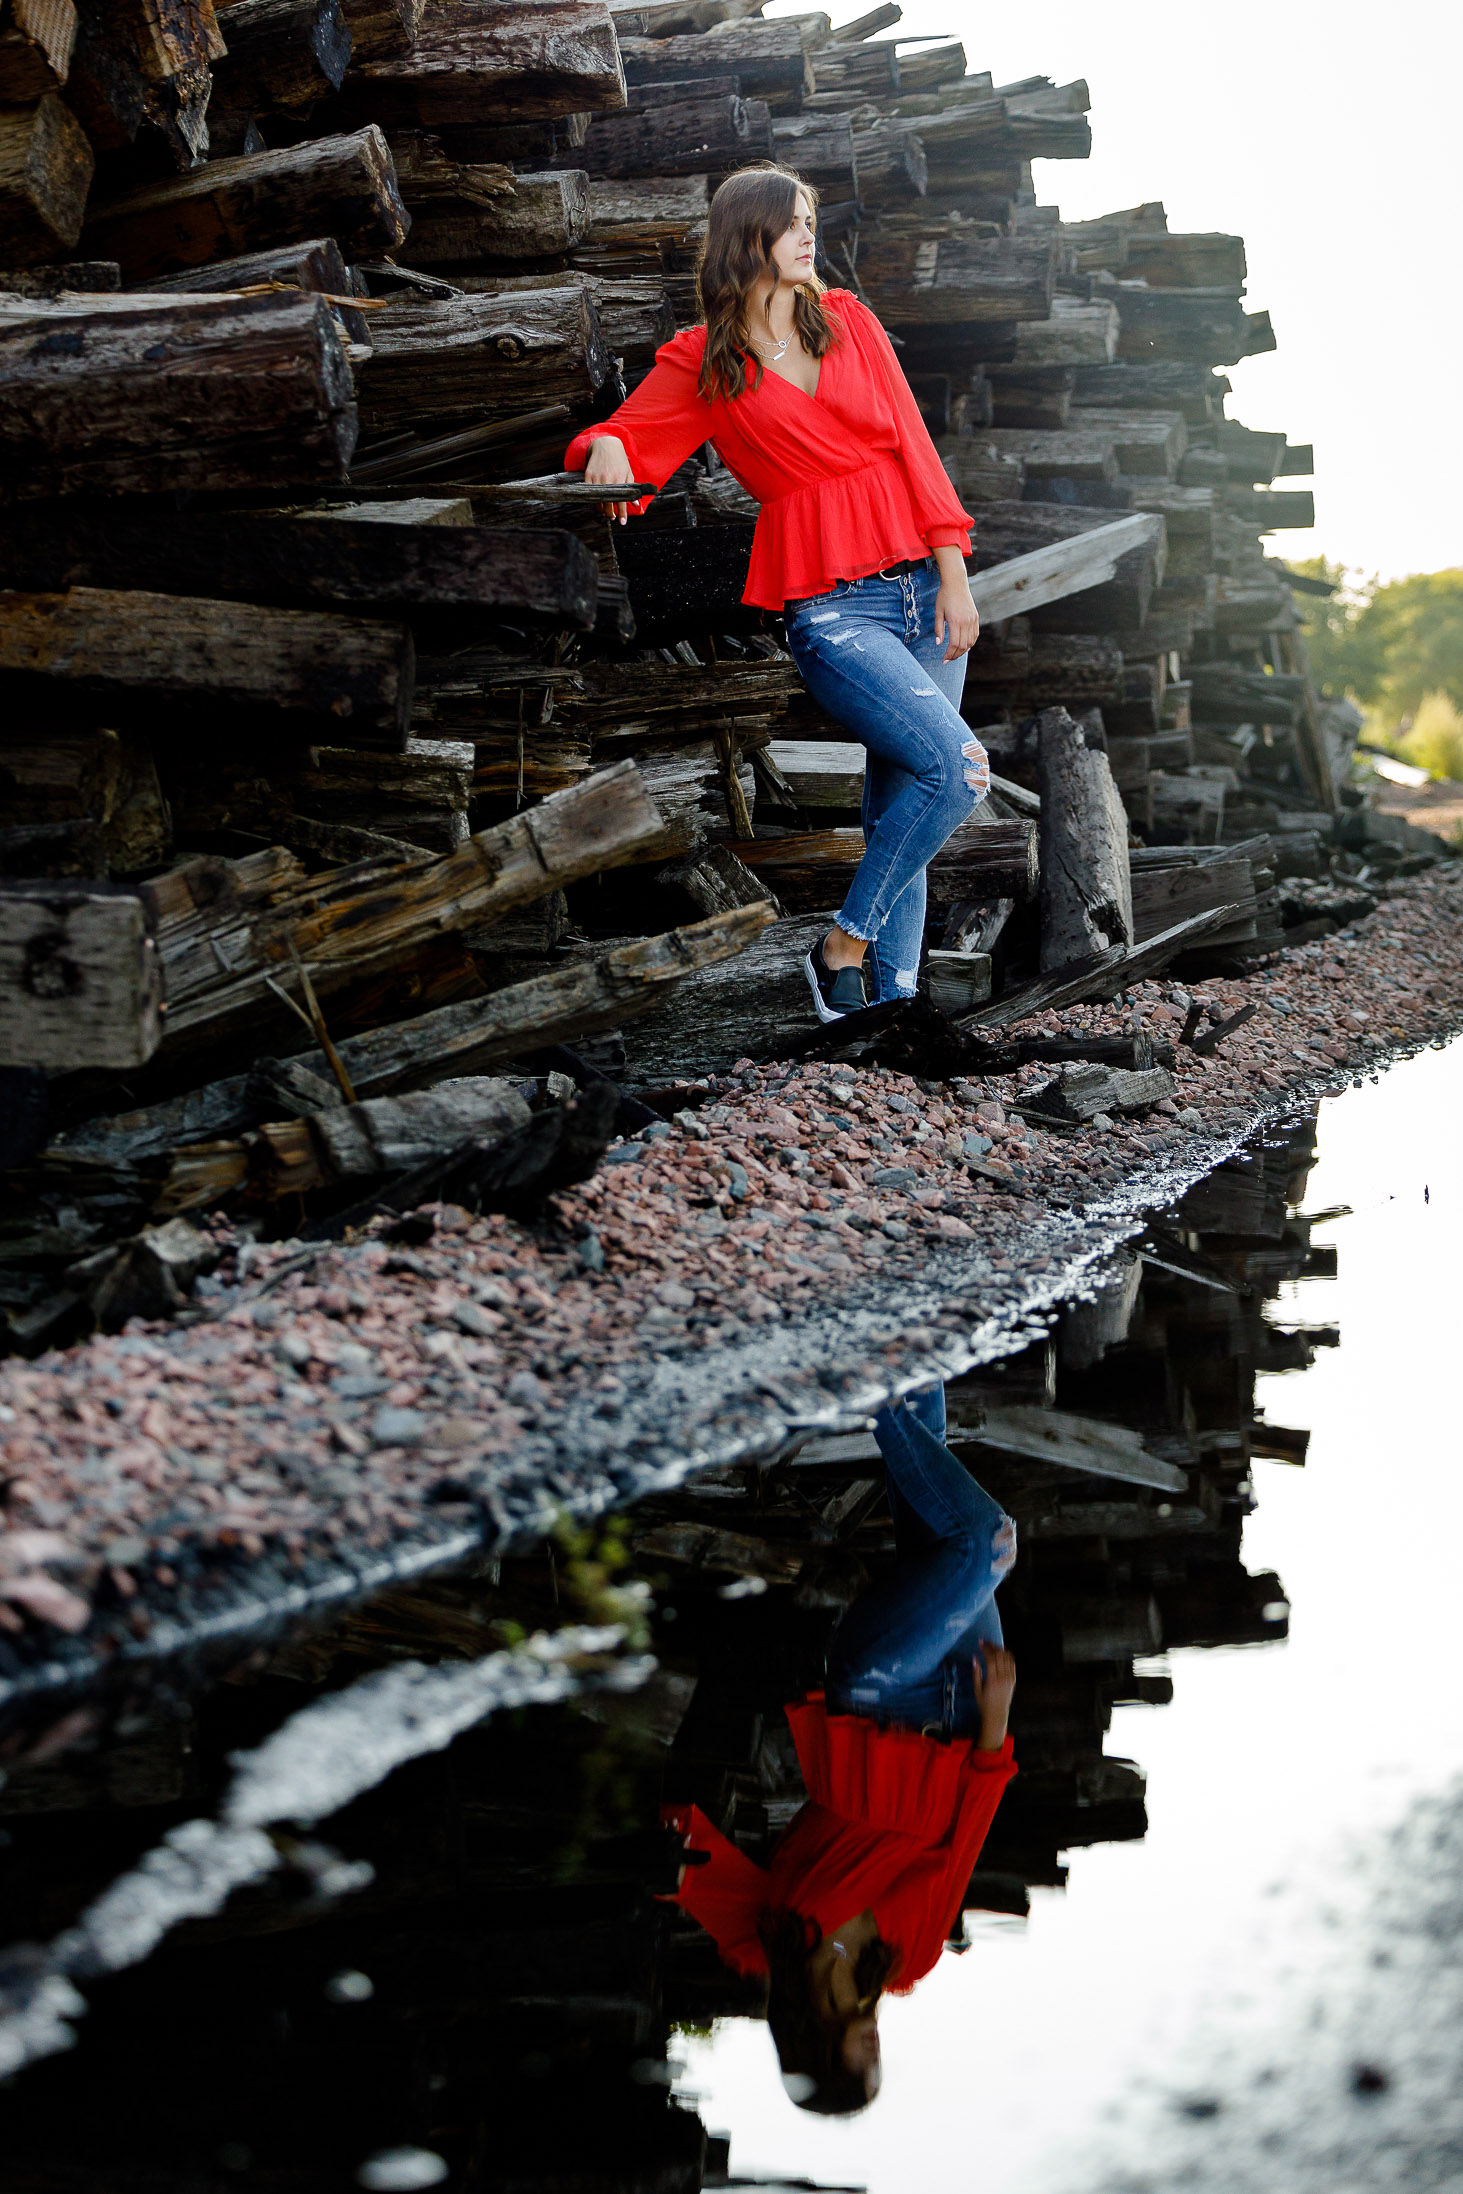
{"type": "Point", "coordinates": [867, 653]}
{"type": "Point", "coordinates": [903, 1653]}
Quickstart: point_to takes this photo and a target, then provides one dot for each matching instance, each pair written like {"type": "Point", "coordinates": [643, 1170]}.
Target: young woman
{"type": "Point", "coordinates": [904, 1755]}
{"type": "Point", "coordinates": [861, 542]}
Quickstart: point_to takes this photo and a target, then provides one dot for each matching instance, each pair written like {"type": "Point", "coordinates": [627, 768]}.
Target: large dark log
{"type": "Point", "coordinates": [975, 281]}
{"type": "Point", "coordinates": [79, 978]}
{"type": "Point", "coordinates": [282, 54]}
{"type": "Point", "coordinates": [355, 676]}
{"type": "Point", "coordinates": [45, 173]}
{"type": "Point", "coordinates": [145, 61]}
{"type": "Point", "coordinates": [700, 136]}
{"type": "Point", "coordinates": [821, 148]}
{"type": "Point", "coordinates": [343, 187]}
{"type": "Point", "coordinates": [381, 28]}
{"type": "Point", "coordinates": [417, 799]}
{"type": "Point", "coordinates": [108, 394]}
{"type": "Point", "coordinates": [1163, 385]}
{"type": "Point", "coordinates": [1198, 326]}
{"type": "Point", "coordinates": [470, 211]}
{"type": "Point", "coordinates": [221, 959]}
{"type": "Point", "coordinates": [769, 60]}
{"type": "Point", "coordinates": [847, 76]}
{"type": "Point", "coordinates": [306, 562]}
{"type": "Point", "coordinates": [36, 44]}
{"type": "Point", "coordinates": [481, 61]}
{"type": "Point", "coordinates": [736, 1011]}
{"type": "Point", "coordinates": [482, 357]}
{"type": "Point", "coordinates": [1011, 530]}
{"type": "Point", "coordinates": [891, 164]}
{"type": "Point", "coordinates": [1030, 670]}
{"type": "Point", "coordinates": [1086, 895]}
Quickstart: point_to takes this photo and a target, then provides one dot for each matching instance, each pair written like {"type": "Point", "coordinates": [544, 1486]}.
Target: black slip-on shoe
{"type": "Point", "coordinates": [836, 991]}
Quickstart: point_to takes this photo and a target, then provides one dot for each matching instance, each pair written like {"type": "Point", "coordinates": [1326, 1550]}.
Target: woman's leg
{"type": "Point", "coordinates": [937, 1603]}
{"type": "Point", "coordinates": [868, 655]}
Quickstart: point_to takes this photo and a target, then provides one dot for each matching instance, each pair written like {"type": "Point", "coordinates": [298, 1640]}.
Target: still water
{"type": "Point", "coordinates": [463, 1977]}
{"type": "Point", "coordinates": [1011, 2066]}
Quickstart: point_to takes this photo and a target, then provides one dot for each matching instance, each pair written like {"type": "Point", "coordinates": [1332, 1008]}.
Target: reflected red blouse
{"type": "Point", "coordinates": [893, 1824]}
{"type": "Point", "coordinates": [848, 479]}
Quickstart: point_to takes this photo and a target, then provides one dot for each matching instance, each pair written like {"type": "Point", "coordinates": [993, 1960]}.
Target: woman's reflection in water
{"type": "Point", "coordinates": [905, 1757]}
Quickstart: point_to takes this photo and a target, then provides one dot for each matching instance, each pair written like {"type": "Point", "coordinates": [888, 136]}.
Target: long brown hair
{"type": "Point", "coordinates": [810, 2049]}
{"type": "Point", "coordinates": [748, 214]}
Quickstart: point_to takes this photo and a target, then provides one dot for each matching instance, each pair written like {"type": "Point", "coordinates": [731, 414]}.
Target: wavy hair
{"type": "Point", "coordinates": [748, 214]}
{"type": "Point", "coordinates": [809, 2048]}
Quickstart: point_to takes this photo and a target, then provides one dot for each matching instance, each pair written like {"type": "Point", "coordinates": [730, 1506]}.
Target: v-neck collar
{"type": "Point", "coordinates": [810, 395]}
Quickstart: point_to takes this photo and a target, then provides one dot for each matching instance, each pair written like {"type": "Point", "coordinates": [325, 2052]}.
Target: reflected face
{"type": "Point", "coordinates": [792, 254]}
{"type": "Point", "coordinates": [860, 2051]}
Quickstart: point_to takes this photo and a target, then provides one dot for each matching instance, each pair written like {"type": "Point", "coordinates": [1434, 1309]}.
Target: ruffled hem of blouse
{"type": "Point", "coordinates": [890, 1779]}
{"type": "Point", "coordinates": [868, 512]}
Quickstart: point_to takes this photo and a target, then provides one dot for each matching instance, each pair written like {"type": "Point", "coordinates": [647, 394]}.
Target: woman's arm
{"type": "Point", "coordinates": [995, 1687]}
{"type": "Point", "coordinates": [957, 620]}
{"type": "Point", "coordinates": [655, 429]}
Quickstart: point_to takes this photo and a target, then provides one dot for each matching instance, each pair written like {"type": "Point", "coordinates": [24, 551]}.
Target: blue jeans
{"type": "Point", "coordinates": [903, 1653]}
{"type": "Point", "coordinates": [868, 655]}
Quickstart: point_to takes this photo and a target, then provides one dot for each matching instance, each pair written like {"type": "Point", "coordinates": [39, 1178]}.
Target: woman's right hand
{"type": "Point", "coordinates": [995, 1688]}
{"type": "Point", "coordinates": [609, 466]}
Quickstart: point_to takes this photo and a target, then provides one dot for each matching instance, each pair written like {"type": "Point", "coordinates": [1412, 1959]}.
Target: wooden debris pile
{"type": "Point", "coordinates": [349, 751]}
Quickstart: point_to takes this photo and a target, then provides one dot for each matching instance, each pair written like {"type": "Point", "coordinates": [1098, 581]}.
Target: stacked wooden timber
{"type": "Point", "coordinates": [335, 708]}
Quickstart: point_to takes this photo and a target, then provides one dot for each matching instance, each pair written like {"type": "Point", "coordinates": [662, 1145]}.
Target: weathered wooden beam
{"type": "Point", "coordinates": [479, 61]}
{"type": "Point", "coordinates": [700, 136]}
{"type": "Point", "coordinates": [282, 54]}
{"type": "Point", "coordinates": [46, 167]}
{"type": "Point", "coordinates": [105, 394]}
{"type": "Point", "coordinates": [291, 663]}
{"type": "Point", "coordinates": [1112, 971]}
{"type": "Point", "coordinates": [1086, 895]}
{"type": "Point", "coordinates": [1076, 1443]}
{"type": "Point", "coordinates": [139, 62]}
{"type": "Point", "coordinates": [975, 281]}
{"type": "Point", "coordinates": [482, 356]}
{"type": "Point", "coordinates": [221, 967]}
{"type": "Point", "coordinates": [360, 1142]}
{"type": "Point", "coordinates": [306, 562]}
{"type": "Point", "coordinates": [381, 28]}
{"type": "Point", "coordinates": [36, 42]}
{"type": "Point", "coordinates": [468, 211]}
{"type": "Point", "coordinates": [769, 60]}
{"type": "Point", "coordinates": [343, 187]}
{"type": "Point", "coordinates": [812, 869]}
{"type": "Point", "coordinates": [1084, 1091]}
{"type": "Point", "coordinates": [1088, 558]}
{"type": "Point", "coordinates": [79, 978]}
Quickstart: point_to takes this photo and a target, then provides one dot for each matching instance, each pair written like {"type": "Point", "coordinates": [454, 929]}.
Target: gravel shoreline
{"type": "Point", "coordinates": [805, 1243]}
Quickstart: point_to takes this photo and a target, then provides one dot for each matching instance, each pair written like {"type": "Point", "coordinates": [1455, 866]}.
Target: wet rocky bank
{"type": "Point", "coordinates": [802, 1242]}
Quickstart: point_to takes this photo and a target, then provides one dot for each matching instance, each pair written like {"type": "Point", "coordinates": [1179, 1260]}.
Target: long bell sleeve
{"type": "Point", "coordinates": [727, 1896]}
{"type": "Point", "coordinates": [942, 520]}
{"type": "Point", "coordinates": [662, 422]}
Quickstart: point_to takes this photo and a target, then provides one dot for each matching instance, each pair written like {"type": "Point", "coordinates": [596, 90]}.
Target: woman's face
{"type": "Point", "coordinates": [792, 254]}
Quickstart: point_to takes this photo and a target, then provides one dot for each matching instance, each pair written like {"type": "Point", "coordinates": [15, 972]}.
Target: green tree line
{"type": "Point", "coordinates": [1398, 651]}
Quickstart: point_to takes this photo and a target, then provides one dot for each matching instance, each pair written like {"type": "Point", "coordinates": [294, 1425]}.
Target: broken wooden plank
{"type": "Point", "coordinates": [1050, 574]}
{"type": "Point", "coordinates": [1084, 1092]}
{"type": "Point", "coordinates": [1109, 973]}
{"type": "Point", "coordinates": [79, 978]}
{"type": "Point", "coordinates": [1076, 1443]}
{"type": "Point", "coordinates": [222, 968]}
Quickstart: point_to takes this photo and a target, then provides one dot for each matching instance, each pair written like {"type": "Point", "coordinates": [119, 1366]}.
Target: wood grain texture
{"type": "Point", "coordinates": [252, 389]}
{"type": "Point", "coordinates": [340, 670]}
{"type": "Point", "coordinates": [36, 42]}
{"type": "Point", "coordinates": [46, 167]}
{"type": "Point", "coordinates": [79, 979]}
{"type": "Point", "coordinates": [479, 61]}
{"type": "Point", "coordinates": [343, 187]}
{"type": "Point", "coordinates": [485, 357]}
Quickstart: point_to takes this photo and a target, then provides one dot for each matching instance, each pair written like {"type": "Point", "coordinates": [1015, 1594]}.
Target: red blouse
{"type": "Point", "coordinates": [848, 479]}
{"type": "Point", "coordinates": [894, 1824]}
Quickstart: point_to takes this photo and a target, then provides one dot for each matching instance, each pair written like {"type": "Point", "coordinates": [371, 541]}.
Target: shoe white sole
{"type": "Point", "coordinates": [824, 1011]}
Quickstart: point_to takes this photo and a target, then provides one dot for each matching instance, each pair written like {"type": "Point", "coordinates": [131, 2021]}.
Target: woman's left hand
{"type": "Point", "coordinates": [957, 620]}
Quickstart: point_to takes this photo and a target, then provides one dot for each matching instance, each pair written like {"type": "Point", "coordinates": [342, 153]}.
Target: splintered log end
{"type": "Point", "coordinates": [1086, 889]}
{"type": "Point", "coordinates": [46, 167]}
{"type": "Point", "coordinates": [79, 979]}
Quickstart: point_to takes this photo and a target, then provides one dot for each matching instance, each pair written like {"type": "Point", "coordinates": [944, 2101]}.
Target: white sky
{"type": "Point", "coordinates": [1328, 137]}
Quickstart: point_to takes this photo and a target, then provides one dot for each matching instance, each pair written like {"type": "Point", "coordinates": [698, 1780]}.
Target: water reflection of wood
{"type": "Point", "coordinates": [526, 1985]}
